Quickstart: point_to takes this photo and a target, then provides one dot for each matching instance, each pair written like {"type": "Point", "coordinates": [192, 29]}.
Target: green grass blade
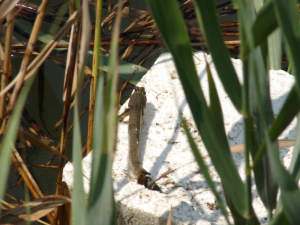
{"type": "Point", "coordinates": [79, 209]}
{"type": "Point", "coordinates": [126, 69]}
{"type": "Point", "coordinates": [97, 138]}
{"type": "Point", "coordinates": [216, 112]}
{"type": "Point", "coordinates": [264, 25]}
{"type": "Point", "coordinates": [274, 42]}
{"type": "Point", "coordinates": [288, 19]}
{"type": "Point", "coordinates": [101, 202]}
{"type": "Point", "coordinates": [97, 45]}
{"type": "Point", "coordinates": [257, 105]}
{"type": "Point", "coordinates": [43, 37]}
{"type": "Point", "coordinates": [295, 162]}
{"type": "Point", "coordinates": [170, 23]}
{"type": "Point", "coordinates": [78, 196]}
{"type": "Point", "coordinates": [246, 17]}
{"type": "Point", "coordinates": [206, 12]}
{"type": "Point", "coordinates": [290, 194]}
{"type": "Point", "coordinates": [215, 106]}
{"type": "Point", "coordinates": [258, 4]}
{"type": "Point", "coordinates": [274, 48]}
{"type": "Point", "coordinates": [97, 62]}
{"type": "Point", "coordinates": [287, 113]}
{"type": "Point", "coordinates": [204, 170]}
{"type": "Point", "coordinates": [279, 219]}
{"type": "Point", "coordinates": [262, 117]}
{"type": "Point", "coordinates": [10, 135]}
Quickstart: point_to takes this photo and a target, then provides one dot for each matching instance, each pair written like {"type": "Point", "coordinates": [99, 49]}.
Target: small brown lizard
{"type": "Point", "coordinates": [137, 105]}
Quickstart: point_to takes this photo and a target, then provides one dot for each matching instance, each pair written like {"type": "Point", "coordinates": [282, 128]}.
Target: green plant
{"type": "Point", "coordinates": [101, 196]}
{"type": "Point", "coordinates": [251, 99]}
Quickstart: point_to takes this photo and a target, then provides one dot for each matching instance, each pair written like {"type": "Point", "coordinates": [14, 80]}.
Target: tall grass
{"type": "Point", "coordinates": [100, 206]}
{"type": "Point", "coordinates": [258, 21]}
{"type": "Point", "coordinates": [251, 99]}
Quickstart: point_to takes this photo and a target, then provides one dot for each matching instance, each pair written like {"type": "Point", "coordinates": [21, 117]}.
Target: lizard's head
{"type": "Point", "coordinates": [140, 90]}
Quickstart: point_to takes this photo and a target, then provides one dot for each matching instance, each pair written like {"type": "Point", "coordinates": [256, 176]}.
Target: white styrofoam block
{"type": "Point", "coordinates": [164, 146]}
{"type": "Point", "coordinates": [86, 170]}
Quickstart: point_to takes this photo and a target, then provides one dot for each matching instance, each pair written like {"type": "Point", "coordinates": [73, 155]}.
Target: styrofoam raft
{"type": "Point", "coordinates": [164, 147]}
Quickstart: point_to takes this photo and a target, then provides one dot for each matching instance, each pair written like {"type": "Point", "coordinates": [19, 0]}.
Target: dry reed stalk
{"type": "Point", "coordinates": [83, 150]}
{"type": "Point", "coordinates": [233, 42]}
{"type": "Point", "coordinates": [147, 53]}
{"type": "Point", "coordinates": [7, 206]}
{"type": "Point", "coordinates": [26, 136]}
{"type": "Point", "coordinates": [7, 62]}
{"type": "Point", "coordinates": [169, 221]}
{"type": "Point", "coordinates": [91, 116]}
{"type": "Point", "coordinates": [18, 161]}
{"type": "Point", "coordinates": [24, 172]}
{"type": "Point", "coordinates": [42, 10]}
{"type": "Point", "coordinates": [20, 201]}
{"type": "Point", "coordinates": [47, 50]}
{"type": "Point", "coordinates": [61, 119]}
{"type": "Point", "coordinates": [128, 42]}
{"type": "Point", "coordinates": [67, 206]}
{"type": "Point", "coordinates": [229, 8]}
{"type": "Point", "coordinates": [137, 54]}
{"type": "Point", "coordinates": [186, 3]}
{"type": "Point", "coordinates": [71, 69]}
{"type": "Point", "coordinates": [6, 7]}
{"type": "Point", "coordinates": [113, 14]}
{"type": "Point", "coordinates": [12, 206]}
{"type": "Point", "coordinates": [136, 21]}
{"type": "Point", "coordinates": [229, 24]}
{"type": "Point", "coordinates": [59, 122]}
{"type": "Point", "coordinates": [231, 34]}
{"type": "Point", "coordinates": [8, 21]}
{"type": "Point", "coordinates": [57, 149]}
{"type": "Point", "coordinates": [128, 52]}
{"type": "Point", "coordinates": [44, 166]}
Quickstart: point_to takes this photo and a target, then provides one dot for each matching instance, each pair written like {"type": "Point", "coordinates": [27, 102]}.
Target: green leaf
{"type": "Point", "coordinates": [101, 205]}
{"type": "Point", "coordinates": [274, 40]}
{"type": "Point", "coordinates": [279, 219]}
{"type": "Point", "coordinates": [257, 104]}
{"type": "Point", "coordinates": [258, 4]}
{"type": "Point", "coordinates": [264, 25]}
{"type": "Point", "coordinates": [10, 135]}
{"type": "Point", "coordinates": [287, 113]}
{"type": "Point", "coordinates": [171, 24]}
{"type": "Point", "coordinates": [96, 183]}
{"type": "Point", "coordinates": [275, 50]}
{"type": "Point", "coordinates": [78, 195]}
{"type": "Point", "coordinates": [295, 162]}
{"type": "Point", "coordinates": [204, 169]}
{"type": "Point", "coordinates": [43, 37]}
{"type": "Point", "coordinates": [288, 18]}
{"type": "Point", "coordinates": [101, 202]}
{"type": "Point", "coordinates": [210, 27]}
{"type": "Point", "coordinates": [79, 209]}
{"type": "Point", "coordinates": [290, 194]}
{"type": "Point", "coordinates": [246, 18]}
{"type": "Point", "coordinates": [215, 106]}
{"type": "Point", "coordinates": [127, 70]}
{"type": "Point", "coordinates": [262, 117]}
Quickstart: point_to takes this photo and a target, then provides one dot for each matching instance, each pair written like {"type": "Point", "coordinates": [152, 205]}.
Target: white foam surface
{"type": "Point", "coordinates": [164, 146]}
